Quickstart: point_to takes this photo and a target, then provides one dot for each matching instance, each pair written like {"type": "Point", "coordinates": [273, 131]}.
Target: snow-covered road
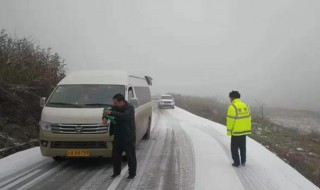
{"type": "Point", "coordinates": [184, 152]}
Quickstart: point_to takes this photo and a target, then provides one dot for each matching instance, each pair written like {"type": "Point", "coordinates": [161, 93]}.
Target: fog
{"type": "Point", "coordinates": [267, 50]}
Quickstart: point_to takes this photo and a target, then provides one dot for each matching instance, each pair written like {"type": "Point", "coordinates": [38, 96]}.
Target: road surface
{"type": "Point", "coordinates": [184, 152]}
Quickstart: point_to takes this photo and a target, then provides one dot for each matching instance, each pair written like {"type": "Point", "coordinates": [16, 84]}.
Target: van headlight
{"type": "Point", "coordinates": [45, 126]}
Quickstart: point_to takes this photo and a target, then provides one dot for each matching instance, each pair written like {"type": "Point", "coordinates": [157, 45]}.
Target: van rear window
{"type": "Point", "coordinates": [143, 94]}
{"type": "Point", "coordinates": [84, 96]}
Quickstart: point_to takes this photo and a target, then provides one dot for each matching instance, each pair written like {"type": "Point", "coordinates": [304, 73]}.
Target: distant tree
{"type": "Point", "coordinates": [261, 107]}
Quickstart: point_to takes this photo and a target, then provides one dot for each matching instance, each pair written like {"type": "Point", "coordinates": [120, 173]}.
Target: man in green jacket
{"type": "Point", "coordinates": [238, 126]}
{"type": "Point", "coordinates": [124, 130]}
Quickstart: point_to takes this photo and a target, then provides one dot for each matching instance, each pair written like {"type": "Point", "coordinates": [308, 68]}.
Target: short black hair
{"type": "Point", "coordinates": [234, 94]}
{"type": "Point", "coordinates": [118, 97]}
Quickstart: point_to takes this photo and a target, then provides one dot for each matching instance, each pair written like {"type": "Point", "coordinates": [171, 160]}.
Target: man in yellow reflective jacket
{"type": "Point", "coordinates": [238, 126]}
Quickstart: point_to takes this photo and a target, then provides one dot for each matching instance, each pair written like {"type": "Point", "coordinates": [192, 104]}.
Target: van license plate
{"type": "Point", "coordinates": [78, 153]}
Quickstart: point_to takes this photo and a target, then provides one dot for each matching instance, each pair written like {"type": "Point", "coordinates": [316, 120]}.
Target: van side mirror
{"type": "Point", "coordinates": [134, 102]}
{"type": "Point", "coordinates": [149, 80]}
{"type": "Point", "coordinates": [42, 101]}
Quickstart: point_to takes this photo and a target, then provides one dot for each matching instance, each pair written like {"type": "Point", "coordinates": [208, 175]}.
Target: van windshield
{"type": "Point", "coordinates": [84, 96]}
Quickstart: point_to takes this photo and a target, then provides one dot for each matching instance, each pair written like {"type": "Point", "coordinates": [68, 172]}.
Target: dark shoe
{"type": "Point", "coordinates": [243, 164]}
{"type": "Point", "coordinates": [130, 177]}
{"type": "Point", "coordinates": [114, 176]}
{"type": "Point", "coordinates": [235, 165]}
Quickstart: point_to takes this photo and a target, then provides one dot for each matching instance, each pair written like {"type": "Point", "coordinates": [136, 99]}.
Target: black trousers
{"type": "Point", "coordinates": [238, 143]}
{"type": "Point", "coordinates": [130, 150]}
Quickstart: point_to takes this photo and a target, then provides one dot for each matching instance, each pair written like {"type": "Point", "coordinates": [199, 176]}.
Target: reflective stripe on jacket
{"type": "Point", "coordinates": [238, 119]}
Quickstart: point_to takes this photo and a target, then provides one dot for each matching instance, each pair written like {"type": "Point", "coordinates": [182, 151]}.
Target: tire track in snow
{"type": "Point", "coordinates": [29, 177]}
{"type": "Point", "coordinates": [76, 174]}
{"type": "Point", "coordinates": [13, 177]}
{"type": "Point", "coordinates": [184, 154]}
{"type": "Point", "coordinates": [162, 167]}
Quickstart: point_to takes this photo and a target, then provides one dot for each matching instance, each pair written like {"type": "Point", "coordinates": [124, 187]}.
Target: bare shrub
{"type": "Point", "coordinates": [27, 72]}
{"type": "Point", "coordinates": [207, 107]}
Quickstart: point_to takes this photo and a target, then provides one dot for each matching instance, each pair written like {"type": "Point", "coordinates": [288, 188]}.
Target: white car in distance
{"type": "Point", "coordinates": [166, 101]}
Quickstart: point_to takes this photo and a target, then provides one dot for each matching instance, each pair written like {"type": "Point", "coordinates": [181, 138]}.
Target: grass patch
{"type": "Point", "coordinates": [299, 150]}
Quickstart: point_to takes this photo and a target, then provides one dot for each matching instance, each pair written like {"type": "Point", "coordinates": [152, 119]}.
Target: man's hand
{"type": "Point", "coordinates": [108, 112]}
{"type": "Point", "coordinates": [104, 121]}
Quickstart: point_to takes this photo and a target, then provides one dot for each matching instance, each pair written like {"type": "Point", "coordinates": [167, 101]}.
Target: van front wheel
{"type": "Point", "coordinates": [57, 158]}
{"type": "Point", "coordinates": [147, 135]}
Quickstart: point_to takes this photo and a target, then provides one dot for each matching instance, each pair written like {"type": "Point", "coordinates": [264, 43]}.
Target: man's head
{"type": "Point", "coordinates": [234, 95]}
{"type": "Point", "coordinates": [119, 100]}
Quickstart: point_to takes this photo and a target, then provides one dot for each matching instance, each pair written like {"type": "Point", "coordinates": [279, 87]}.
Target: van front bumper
{"type": "Point", "coordinates": [94, 145]}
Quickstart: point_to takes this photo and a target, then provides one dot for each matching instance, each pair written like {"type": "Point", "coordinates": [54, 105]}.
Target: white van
{"type": "Point", "coordinates": [71, 119]}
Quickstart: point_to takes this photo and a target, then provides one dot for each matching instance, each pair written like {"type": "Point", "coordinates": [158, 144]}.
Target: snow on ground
{"type": "Point", "coordinates": [263, 170]}
{"type": "Point", "coordinates": [20, 161]}
{"type": "Point", "coordinates": [303, 121]}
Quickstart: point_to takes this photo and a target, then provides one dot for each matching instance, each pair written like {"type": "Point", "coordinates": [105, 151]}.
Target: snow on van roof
{"type": "Point", "coordinates": [96, 77]}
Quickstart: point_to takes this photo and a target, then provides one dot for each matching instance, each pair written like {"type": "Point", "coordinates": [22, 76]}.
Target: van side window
{"type": "Point", "coordinates": [143, 94]}
{"type": "Point", "coordinates": [130, 93]}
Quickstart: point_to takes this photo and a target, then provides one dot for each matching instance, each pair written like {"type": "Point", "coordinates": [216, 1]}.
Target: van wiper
{"type": "Point", "coordinates": [65, 104]}
{"type": "Point", "coordinates": [98, 104]}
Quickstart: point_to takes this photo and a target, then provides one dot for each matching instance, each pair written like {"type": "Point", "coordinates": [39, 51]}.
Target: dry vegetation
{"type": "Point", "coordinates": [207, 107]}
{"type": "Point", "coordinates": [27, 72]}
{"type": "Point", "coordinates": [300, 150]}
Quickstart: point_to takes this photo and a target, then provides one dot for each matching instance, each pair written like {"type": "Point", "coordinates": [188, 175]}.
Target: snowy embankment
{"type": "Point", "coordinates": [264, 170]}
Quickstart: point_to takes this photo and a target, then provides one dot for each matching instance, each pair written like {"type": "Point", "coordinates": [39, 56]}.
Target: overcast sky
{"type": "Point", "coordinates": [268, 50]}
